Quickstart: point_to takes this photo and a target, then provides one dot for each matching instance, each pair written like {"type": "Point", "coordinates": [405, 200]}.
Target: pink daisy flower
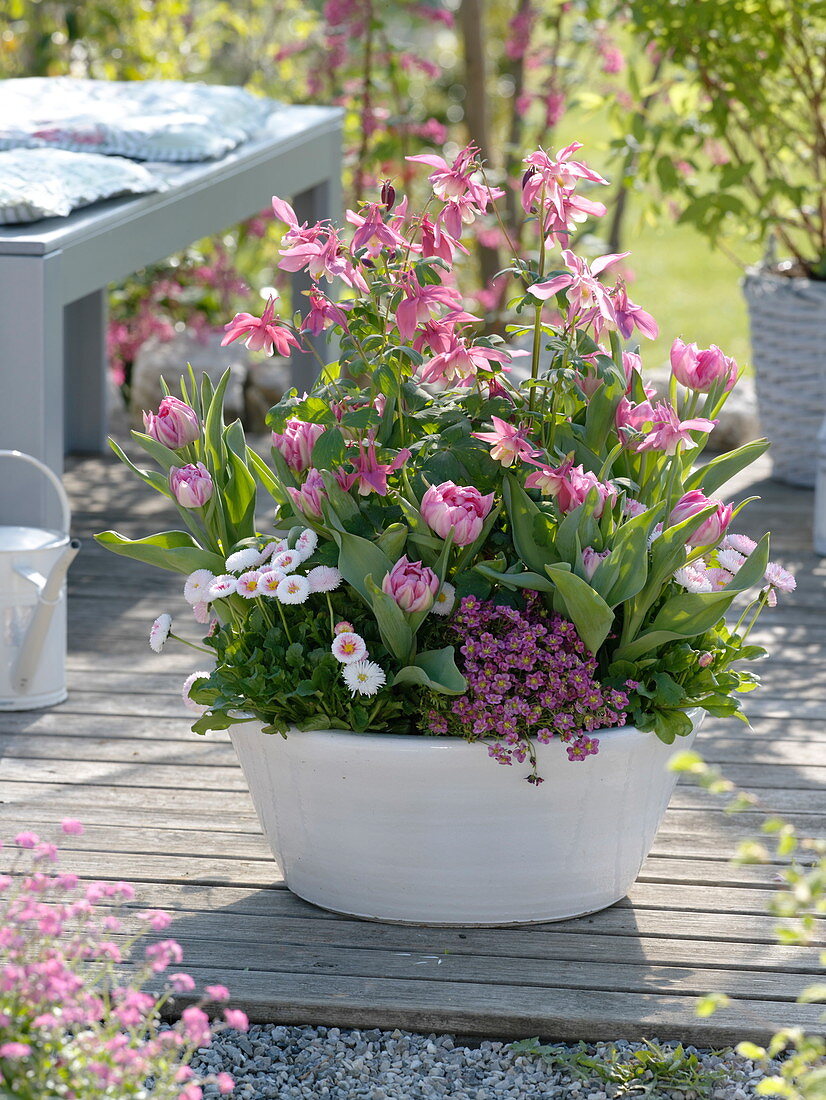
{"type": "Point", "coordinates": [159, 632]}
{"type": "Point", "coordinates": [197, 586]}
{"type": "Point", "coordinates": [293, 589]}
{"type": "Point", "coordinates": [268, 581]}
{"type": "Point", "coordinates": [186, 687]}
{"type": "Point", "coordinates": [223, 586]}
{"type": "Point", "coordinates": [780, 578]}
{"type": "Point", "coordinates": [741, 543]}
{"type": "Point", "coordinates": [349, 647]}
{"type": "Point", "coordinates": [248, 584]}
{"type": "Point", "coordinates": [287, 560]}
{"type": "Point", "coordinates": [324, 578]}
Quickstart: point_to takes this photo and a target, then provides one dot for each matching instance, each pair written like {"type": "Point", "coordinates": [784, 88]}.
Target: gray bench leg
{"type": "Point", "coordinates": [84, 339]}
{"type": "Point", "coordinates": [31, 384]}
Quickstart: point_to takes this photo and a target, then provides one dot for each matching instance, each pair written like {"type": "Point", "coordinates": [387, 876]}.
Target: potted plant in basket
{"type": "Point", "coordinates": [461, 572]}
{"type": "Point", "coordinates": [749, 123]}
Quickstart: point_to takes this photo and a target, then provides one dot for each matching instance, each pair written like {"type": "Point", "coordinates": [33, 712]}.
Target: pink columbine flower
{"type": "Point", "coordinates": [412, 585]}
{"type": "Point", "coordinates": [421, 303]}
{"type": "Point", "coordinates": [248, 584]}
{"type": "Point", "coordinates": [323, 313]}
{"type": "Point", "coordinates": [631, 316]}
{"type": "Point", "coordinates": [295, 444]}
{"type": "Point", "coordinates": [373, 234]}
{"type": "Point", "coordinates": [436, 241]}
{"type": "Point", "coordinates": [324, 578]}
{"type": "Point", "coordinates": [668, 432]}
{"type": "Point", "coordinates": [223, 586]}
{"type": "Point", "coordinates": [349, 647]}
{"type": "Point", "coordinates": [711, 530]}
{"type": "Point", "coordinates": [699, 370]}
{"type": "Point", "coordinates": [370, 475]}
{"type": "Point", "coordinates": [159, 632]}
{"type": "Point", "coordinates": [261, 334]}
{"type": "Point", "coordinates": [191, 485]}
{"type": "Point", "coordinates": [570, 486]}
{"type": "Point", "coordinates": [71, 826]}
{"type": "Point", "coordinates": [459, 364]}
{"type": "Point", "coordinates": [174, 425]}
{"type": "Point", "coordinates": [458, 509]}
{"type": "Point", "coordinates": [508, 443]}
{"type": "Point", "coordinates": [585, 293]}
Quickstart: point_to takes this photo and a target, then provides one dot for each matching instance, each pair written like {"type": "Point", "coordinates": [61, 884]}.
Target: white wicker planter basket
{"type": "Point", "coordinates": [788, 337]}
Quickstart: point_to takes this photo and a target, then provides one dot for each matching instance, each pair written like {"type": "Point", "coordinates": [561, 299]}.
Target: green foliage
{"type": "Point", "coordinates": [652, 1070]}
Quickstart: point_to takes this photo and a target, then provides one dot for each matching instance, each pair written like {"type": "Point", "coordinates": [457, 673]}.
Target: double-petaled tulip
{"type": "Point", "coordinates": [460, 509]}
{"type": "Point", "coordinates": [308, 499]}
{"type": "Point", "coordinates": [296, 443]}
{"type": "Point", "coordinates": [570, 486]}
{"type": "Point", "coordinates": [711, 530]}
{"type": "Point", "coordinates": [175, 424]}
{"type": "Point", "coordinates": [700, 370]}
{"type": "Point", "coordinates": [191, 485]}
{"type": "Point", "coordinates": [412, 585]}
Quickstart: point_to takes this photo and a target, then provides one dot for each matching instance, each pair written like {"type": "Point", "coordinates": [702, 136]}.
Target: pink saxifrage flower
{"type": "Point", "coordinates": [459, 510]}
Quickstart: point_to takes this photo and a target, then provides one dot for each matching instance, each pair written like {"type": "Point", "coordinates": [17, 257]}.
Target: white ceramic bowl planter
{"type": "Point", "coordinates": [430, 830]}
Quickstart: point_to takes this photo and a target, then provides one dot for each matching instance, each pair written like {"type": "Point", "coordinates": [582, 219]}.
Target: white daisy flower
{"type": "Point", "coordinates": [306, 542]}
{"type": "Point", "coordinates": [780, 578]}
{"type": "Point", "coordinates": [655, 533]}
{"type": "Point", "coordinates": [243, 559]}
{"type": "Point", "coordinates": [287, 560]}
{"type": "Point", "coordinates": [159, 632]}
{"type": "Point", "coordinates": [270, 549]}
{"type": "Point", "coordinates": [445, 599]}
{"type": "Point", "coordinates": [268, 582]}
{"type": "Point", "coordinates": [201, 612]}
{"type": "Point", "coordinates": [693, 580]}
{"type": "Point", "coordinates": [731, 560]}
{"type": "Point", "coordinates": [248, 584]}
{"type": "Point", "coordinates": [225, 585]}
{"type": "Point", "coordinates": [349, 647]}
{"type": "Point", "coordinates": [741, 543]}
{"type": "Point", "coordinates": [190, 703]}
{"type": "Point", "coordinates": [293, 589]}
{"type": "Point", "coordinates": [324, 578]}
{"type": "Point", "coordinates": [364, 677]}
{"type": "Point", "coordinates": [197, 586]}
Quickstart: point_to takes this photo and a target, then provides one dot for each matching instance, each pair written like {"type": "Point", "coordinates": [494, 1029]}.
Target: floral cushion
{"type": "Point", "coordinates": [50, 183]}
{"type": "Point", "coordinates": [163, 120]}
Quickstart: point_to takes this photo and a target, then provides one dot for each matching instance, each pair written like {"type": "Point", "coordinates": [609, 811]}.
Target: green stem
{"type": "Point", "coordinates": [284, 621]}
{"type": "Point", "coordinates": [332, 616]}
{"type": "Point", "coordinates": [191, 645]}
{"type": "Point", "coordinates": [764, 599]}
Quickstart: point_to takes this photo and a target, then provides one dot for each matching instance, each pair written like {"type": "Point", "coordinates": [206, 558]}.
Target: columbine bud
{"type": "Point", "coordinates": [388, 194]}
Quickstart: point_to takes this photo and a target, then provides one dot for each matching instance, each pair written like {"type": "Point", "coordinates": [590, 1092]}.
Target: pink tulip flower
{"type": "Point", "coordinates": [191, 485]}
{"type": "Point", "coordinates": [174, 425]}
{"type": "Point", "coordinates": [699, 370]}
{"type": "Point", "coordinates": [261, 334]}
{"type": "Point", "coordinates": [591, 559]}
{"type": "Point", "coordinates": [460, 509]}
{"type": "Point", "coordinates": [295, 444]}
{"type": "Point", "coordinates": [308, 499]}
{"type": "Point", "coordinates": [412, 585]}
{"type": "Point", "coordinates": [711, 530]}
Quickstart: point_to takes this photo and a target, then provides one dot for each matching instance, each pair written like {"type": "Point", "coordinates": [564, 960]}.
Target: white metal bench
{"type": "Point", "coordinates": [54, 274]}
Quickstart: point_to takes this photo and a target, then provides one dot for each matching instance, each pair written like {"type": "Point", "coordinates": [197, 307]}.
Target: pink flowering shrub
{"type": "Point", "coordinates": [73, 1022]}
{"type": "Point", "coordinates": [428, 467]}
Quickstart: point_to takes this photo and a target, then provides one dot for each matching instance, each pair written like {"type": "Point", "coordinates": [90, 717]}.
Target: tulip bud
{"type": "Point", "coordinates": [412, 585]}
{"type": "Point", "coordinates": [458, 508]}
{"type": "Point", "coordinates": [175, 424]}
{"type": "Point", "coordinates": [712, 529]}
{"type": "Point", "coordinates": [191, 485]}
{"type": "Point", "coordinates": [296, 443]}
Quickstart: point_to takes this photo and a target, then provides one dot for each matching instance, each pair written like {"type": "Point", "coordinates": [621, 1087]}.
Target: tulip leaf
{"type": "Point", "coordinates": [392, 540]}
{"type": "Point", "coordinates": [718, 471]}
{"type": "Point", "coordinates": [239, 492]}
{"type": "Point", "coordinates": [173, 550]}
{"type": "Point", "coordinates": [624, 572]}
{"type": "Point", "coordinates": [532, 581]}
{"type": "Point", "coordinates": [265, 475]}
{"type": "Point", "coordinates": [214, 421]}
{"type": "Point", "coordinates": [158, 482]}
{"type": "Point", "coordinates": [165, 457]}
{"type": "Point", "coordinates": [588, 611]}
{"type": "Point", "coordinates": [523, 514]}
{"type": "Point", "coordinates": [395, 629]}
{"type": "Point", "coordinates": [435, 669]}
{"type": "Point", "coordinates": [359, 559]}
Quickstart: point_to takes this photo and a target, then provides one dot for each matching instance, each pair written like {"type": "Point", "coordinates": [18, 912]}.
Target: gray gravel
{"type": "Point", "coordinates": [272, 1062]}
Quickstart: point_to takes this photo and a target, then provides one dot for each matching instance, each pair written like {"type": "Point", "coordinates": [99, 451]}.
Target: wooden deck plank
{"type": "Point", "coordinates": [170, 812]}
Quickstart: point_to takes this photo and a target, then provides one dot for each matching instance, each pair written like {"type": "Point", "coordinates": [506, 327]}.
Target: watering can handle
{"type": "Point", "coordinates": [53, 478]}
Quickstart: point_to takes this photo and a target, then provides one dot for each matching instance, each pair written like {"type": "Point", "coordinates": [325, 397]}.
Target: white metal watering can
{"type": "Point", "coordinates": [33, 564]}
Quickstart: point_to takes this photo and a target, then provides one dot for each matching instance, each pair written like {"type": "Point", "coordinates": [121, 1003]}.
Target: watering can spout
{"type": "Point", "coordinates": [49, 589]}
